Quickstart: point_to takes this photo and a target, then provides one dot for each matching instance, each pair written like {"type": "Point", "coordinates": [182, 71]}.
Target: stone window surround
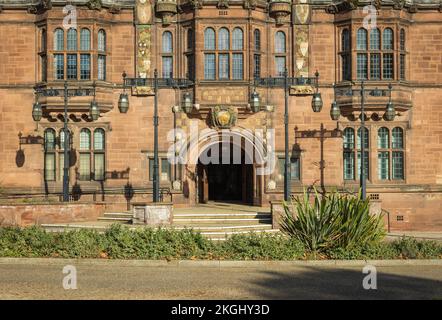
{"type": "Point", "coordinates": [373, 177]}
{"type": "Point", "coordinates": [397, 52]}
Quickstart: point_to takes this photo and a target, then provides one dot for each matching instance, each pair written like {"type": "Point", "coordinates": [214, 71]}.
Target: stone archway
{"type": "Point", "coordinates": [252, 157]}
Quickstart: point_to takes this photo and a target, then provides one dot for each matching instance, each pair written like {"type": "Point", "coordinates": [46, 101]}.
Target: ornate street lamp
{"type": "Point", "coordinates": [390, 111]}
{"type": "Point", "coordinates": [37, 112]}
{"type": "Point", "coordinates": [254, 101]}
{"type": "Point", "coordinates": [187, 103]}
{"type": "Point", "coordinates": [335, 110]}
{"type": "Point", "coordinates": [123, 101]}
{"type": "Point", "coordinates": [317, 99]}
{"type": "Point", "coordinates": [94, 110]}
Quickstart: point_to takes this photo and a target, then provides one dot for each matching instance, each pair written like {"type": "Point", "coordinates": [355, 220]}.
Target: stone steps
{"type": "Point", "coordinates": [117, 217]}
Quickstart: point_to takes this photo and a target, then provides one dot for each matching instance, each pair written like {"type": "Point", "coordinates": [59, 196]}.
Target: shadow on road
{"type": "Point", "coordinates": [319, 283]}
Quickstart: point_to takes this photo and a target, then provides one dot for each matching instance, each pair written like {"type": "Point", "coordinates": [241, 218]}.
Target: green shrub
{"type": "Point", "coordinates": [332, 221]}
{"type": "Point", "coordinates": [409, 248]}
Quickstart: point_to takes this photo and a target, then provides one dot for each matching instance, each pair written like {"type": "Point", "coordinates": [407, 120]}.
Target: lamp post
{"type": "Point", "coordinates": [389, 115]}
{"type": "Point", "coordinates": [37, 112]}
{"type": "Point", "coordinates": [154, 84]}
{"type": "Point", "coordinates": [316, 107]}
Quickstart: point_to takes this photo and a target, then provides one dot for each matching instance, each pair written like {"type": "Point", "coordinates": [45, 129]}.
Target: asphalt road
{"type": "Point", "coordinates": [115, 281]}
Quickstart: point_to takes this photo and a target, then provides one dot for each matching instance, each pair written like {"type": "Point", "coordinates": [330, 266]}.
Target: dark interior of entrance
{"type": "Point", "coordinates": [226, 182]}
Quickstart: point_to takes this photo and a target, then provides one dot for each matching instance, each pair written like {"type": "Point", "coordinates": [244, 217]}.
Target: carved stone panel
{"type": "Point", "coordinates": [224, 95]}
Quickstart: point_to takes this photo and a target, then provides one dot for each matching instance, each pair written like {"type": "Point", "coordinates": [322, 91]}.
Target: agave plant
{"type": "Point", "coordinates": [331, 221]}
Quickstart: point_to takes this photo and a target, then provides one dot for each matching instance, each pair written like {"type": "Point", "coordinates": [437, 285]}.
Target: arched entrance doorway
{"type": "Point", "coordinates": [225, 173]}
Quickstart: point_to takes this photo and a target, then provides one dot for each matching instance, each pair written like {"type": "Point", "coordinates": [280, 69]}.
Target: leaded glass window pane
{"type": "Point", "coordinates": [280, 66]}
{"type": "Point", "coordinates": [223, 66]}
{"type": "Point", "coordinates": [375, 66]}
{"type": "Point", "coordinates": [295, 169]}
{"type": "Point", "coordinates": [375, 39]}
{"type": "Point", "coordinates": [209, 39]}
{"type": "Point", "coordinates": [398, 164]}
{"type": "Point", "coordinates": [280, 46]}
{"type": "Point", "coordinates": [189, 39]}
{"type": "Point", "coordinates": [397, 136]}
{"type": "Point", "coordinates": [49, 168]}
{"type": "Point", "coordinates": [85, 66]}
{"type": "Point", "coordinates": [387, 39]}
{"type": "Point", "coordinates": [237, 66]}
{"type": "Point", "coordinates": [167, 67]}
{"type": "Point", "coordinates": [62, 138]}
{"type": "Point", "coordinates": [85, 139]}
{"type": "Point", "coordinates": [101, 67]}
{"type": "Point", "coordinates": [402, 40]}
{"type": "Point", "coordinates": [99, 139]}
{"type": "Point", "coordinates": [349, 165]}
{"type": "Point", "coordinates": [60, 166]}
{"type": "Point", "coordinates": [101, 40]}
{"type": "Point", "coordinates": [85, 40]}
{"type": "Point", "coordinates": [383, 165]}
{"type": "Point", "coordinates": [165, 170]}
{"type": "Point", "coordinates": [85, 166]}
{"type": "Point", "coordinates": [361, 39]}
{"type": "Point", "coordinates": [402, 66]}
{"type": "Point", "coordinates": [209, 66]}
{"type": "Point", "coordinates": [366, 138]}
{"type": "Point", "coordinates": [167, 42]}
{"type": "Point", "coordinates": [59, 66]}
{"type": "Point", "coordinates": [58, 40]}
{"type": "Point", "coordinates": [49, 139]}
{"type": "Point", "coordinates": [72, 39]}
{"type": "Point", "coordinates": [257, 35]}
{"type": "Point", "coordinates": [346, 67]}
{"type": "Point", "coordinates": [151, 163]}
{"type": "Point", "coordinates": [349, 138]}
{"type": "Point", "coordinates": [361, 66]}
{"type": "Point", "coordinates": [366, 164]}
{"type": "Point", "coordinates": [72, 67]}
{"type": "Point", "coordinates": [387, 71]}
{"type": "Point", "coordinates": [345, 40]}
{"type": "Point", "coordinates": [223, 39]}
{"type": "Point", "coordinates": [237, 39]}
{"type": "Point", "coordinates": [257, 65]}
{"type": "Point", "coordinates": [383, 138]}
{"type": "Point", "coordinates": [99, 166]}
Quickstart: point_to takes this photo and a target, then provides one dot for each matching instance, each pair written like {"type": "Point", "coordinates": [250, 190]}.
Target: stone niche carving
{"type": "Point", "coordinates": [166, 9]}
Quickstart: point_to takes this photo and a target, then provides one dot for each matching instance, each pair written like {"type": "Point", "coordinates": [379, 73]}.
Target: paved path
{"type": "Point", "coordinates": [115, 280]}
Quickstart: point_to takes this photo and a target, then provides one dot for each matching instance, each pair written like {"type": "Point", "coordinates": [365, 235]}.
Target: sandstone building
{"type": "Point", "coordinates": [217, 51]}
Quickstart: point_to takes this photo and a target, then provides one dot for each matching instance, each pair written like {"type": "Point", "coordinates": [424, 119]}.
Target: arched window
{"type": "Point", "coordinates": [375, 39]}
{"type": "Point", "coordinates": [209, 39]}
{"type": "Point", "coordinates": [85, 154]}
{"type": "Point", "coordinates": [362, 60]}
{"type": "Point", "coordinates": [189, 39]}
{"type": "Point", "coordinates": [102, 40]}
{"type": "Point", "coordinates": [349, 153]}
{"type": "Point", "coordinates": [237, 39]}
{"type": "Point", "coordinates": [402, 54]}
{"type": "Point", "coordinates": [167, 42]}
{"type": "Point", "coordinates": [345, 55]}
{"type": "Point", "coordinates": [85, 139]}
{"type": "Point", "coordinates": [280, 42]}
{"type": "Point", "coordinates": [99, 152]}
{"type": "Point", "coordinates": [345, 40]}
{"type": "Point", "coordinates": [101, 55]}
{"type": "Point", "coordinates": [223, 39]}
{"type": "Point", "coordinates": [72, 39]}
{"type": "Point", "coordinates": [257, 38]}
{"type": "Point", "coordinates": [49, 160]}
{"type": "Point", "coordinates": [383, 138]}
{"type": "Point", "coordinates": [85, 39]}
{"type": "Point", "coordinates": [167, 58]}
{"type": "Point", "coordinates": [402, 39]}
{"type": "Point", "coordinates": [58, 39]}
{"type": "Point", "coordinates": [375, 56]}
{"type": "Point", "coordinates": [387, 39]}
{"type": "Point", "coordinates": [361, 39]}
{"type": "Point", "coordinates": [397, 140]}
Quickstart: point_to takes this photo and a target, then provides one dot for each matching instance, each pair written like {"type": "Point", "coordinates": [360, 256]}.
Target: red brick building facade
{"type": "Point", "coordinates": [220, 49]}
